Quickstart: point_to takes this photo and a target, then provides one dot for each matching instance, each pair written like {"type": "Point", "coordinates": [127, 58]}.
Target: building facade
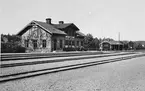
{"type": "Point", "coordinates": [40, 36]}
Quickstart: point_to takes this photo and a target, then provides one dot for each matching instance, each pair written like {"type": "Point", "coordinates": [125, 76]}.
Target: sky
{"type": "Point", "coordinates": [101, 18]}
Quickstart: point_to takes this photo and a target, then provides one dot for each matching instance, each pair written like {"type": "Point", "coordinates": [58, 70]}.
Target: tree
{"type": "Point", "coordinates": [131, 45]}
{"type": "Point", "coordinates": [139, 46]}
{"type": "Point", "coordinates": [96, 43]}
{"type": "Point", "coordinates": [88, 41]}
{"type": "Point", "coordinates": [91, 43]}
{"type": "Point", "coordinates": [107, 39]}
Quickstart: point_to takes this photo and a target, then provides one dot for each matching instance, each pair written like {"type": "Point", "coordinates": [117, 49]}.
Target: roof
{"type": "Point", "coordinates": [65, 25]}
{"type": "Point", "coordinates": [80, 33]}
{"type": "Point", "coordinates": [61, 26]}
{"type": "Point", "coordinates": [50, 28]}
{"type": "Point", "coordinates": [112, 42]}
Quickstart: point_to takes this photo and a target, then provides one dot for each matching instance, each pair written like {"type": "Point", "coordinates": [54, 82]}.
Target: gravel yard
{"type": "Point", "coordinates": [127, 75]}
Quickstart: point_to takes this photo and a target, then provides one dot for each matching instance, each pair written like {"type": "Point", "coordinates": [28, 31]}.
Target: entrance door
{"type": "Point", "coordinates": [55, 44]}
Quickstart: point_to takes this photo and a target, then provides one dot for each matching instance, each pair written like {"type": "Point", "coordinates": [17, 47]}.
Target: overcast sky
{"type": "Point", "coordinates": [101, 18]}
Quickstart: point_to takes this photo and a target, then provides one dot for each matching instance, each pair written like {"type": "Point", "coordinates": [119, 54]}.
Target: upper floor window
{"type": "Point", "coordinates": [43, 43]}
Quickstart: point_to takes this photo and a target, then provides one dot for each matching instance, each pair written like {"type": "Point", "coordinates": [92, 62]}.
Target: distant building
{"type": "Point", "coordinates": [117, 45]}
{"type": "Point", "coordinates": [46, 37]}
{"type": "Point", "coordinates": [111, 45]}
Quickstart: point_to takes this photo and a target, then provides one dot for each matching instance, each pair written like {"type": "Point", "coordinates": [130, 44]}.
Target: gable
{"type": "Point", "coordinates": [35, 33]}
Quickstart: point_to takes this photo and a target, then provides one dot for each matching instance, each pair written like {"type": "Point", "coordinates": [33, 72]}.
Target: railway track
{"type": "Point", "coordinates": [23, 56]}
{"type": "Point", "coordinates": [58, 59]}
{"type": "Point", "coordinates": [32, 73]}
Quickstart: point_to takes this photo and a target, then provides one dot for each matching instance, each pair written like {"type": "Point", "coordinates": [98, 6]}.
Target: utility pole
{"type": "Point", "coordinates": [119, 36]}
{"type": "Point", "coordinates": [119, 40]}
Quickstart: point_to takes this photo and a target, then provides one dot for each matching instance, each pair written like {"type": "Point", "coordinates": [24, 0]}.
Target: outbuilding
{"type": "Point", "coordinates": [111, 45]}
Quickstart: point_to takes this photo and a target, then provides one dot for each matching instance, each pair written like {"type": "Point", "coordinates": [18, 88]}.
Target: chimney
{"type": "Point", "coordinates": [48, 20]}
{"type": "Point", "coordinates": [61, 22]}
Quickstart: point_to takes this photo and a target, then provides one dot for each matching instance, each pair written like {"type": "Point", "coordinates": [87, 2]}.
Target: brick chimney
{"type": "Point", "coordinates": [48, 20]}
{"type": "Point", "coordinates": [61, 22]}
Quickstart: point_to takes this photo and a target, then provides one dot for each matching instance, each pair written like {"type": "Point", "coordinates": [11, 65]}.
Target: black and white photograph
{"type": "Point", "coordinates": [72, 45]}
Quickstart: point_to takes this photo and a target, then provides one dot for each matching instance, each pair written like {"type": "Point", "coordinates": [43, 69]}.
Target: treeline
{"type": "Point", "coordinates": [11, 44]}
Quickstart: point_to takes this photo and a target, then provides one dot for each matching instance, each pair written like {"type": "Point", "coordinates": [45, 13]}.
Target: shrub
{"type": "Point", "coordinates": [11, 45]}
{"type": "Point", "coordinates": [11, 48]}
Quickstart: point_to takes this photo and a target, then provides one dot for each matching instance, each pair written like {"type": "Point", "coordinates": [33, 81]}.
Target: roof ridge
{"type": "Point", "coordinates": [62, 24]}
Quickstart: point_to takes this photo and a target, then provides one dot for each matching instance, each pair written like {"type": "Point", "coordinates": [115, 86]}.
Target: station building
{"type": "Point", "coordinates": [40, 36]}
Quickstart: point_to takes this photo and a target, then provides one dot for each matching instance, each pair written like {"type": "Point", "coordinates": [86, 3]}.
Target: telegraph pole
{"type": "Point", "coordinates": [119, 36]}
{"type": "Point", "coordinates": [119, 40]}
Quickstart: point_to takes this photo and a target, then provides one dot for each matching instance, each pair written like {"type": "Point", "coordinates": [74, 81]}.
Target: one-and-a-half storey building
{"type": "Point", "coordinates": [40, 36]}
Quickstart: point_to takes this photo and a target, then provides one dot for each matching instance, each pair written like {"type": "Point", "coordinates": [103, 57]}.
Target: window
{"type": "Point", "coordinates": [43, 43]}
{"type": "Point", "coordinates": [81, 43]}
{"type": "Point", "coordinates": [69, 42]}
{"type": "Point", "coordinates": [66, 42]}
{"type": "Point", "coordinates": [73, 42]}
{"type": "Point", "coordinates": [60, 43]}
{"type": "Point", "coordinates": [26, 43]}
{"type": "Point", "coordinates": [77, 43]}
{"type": "Point", "coordinates": [35, 44]}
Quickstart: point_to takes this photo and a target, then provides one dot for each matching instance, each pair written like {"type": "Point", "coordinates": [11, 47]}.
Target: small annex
{"type": "Point", "coordinates": [40, 36]}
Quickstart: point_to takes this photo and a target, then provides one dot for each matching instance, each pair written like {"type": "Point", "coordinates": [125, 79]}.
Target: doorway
{"type": "Point", "coordinates": [55, 44]}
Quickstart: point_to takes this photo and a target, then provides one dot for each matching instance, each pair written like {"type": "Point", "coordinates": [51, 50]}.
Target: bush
{"type": "Point", "coordinates": [75, 49]}
{"type": "Point", "coordinates": [11, 48]}
{"type": "Point", "coordinates": [69, 49]}
{"type": "Point", "coordinates": [11, 44]}
{"type": "Point", "coordinates": [20, 49]}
